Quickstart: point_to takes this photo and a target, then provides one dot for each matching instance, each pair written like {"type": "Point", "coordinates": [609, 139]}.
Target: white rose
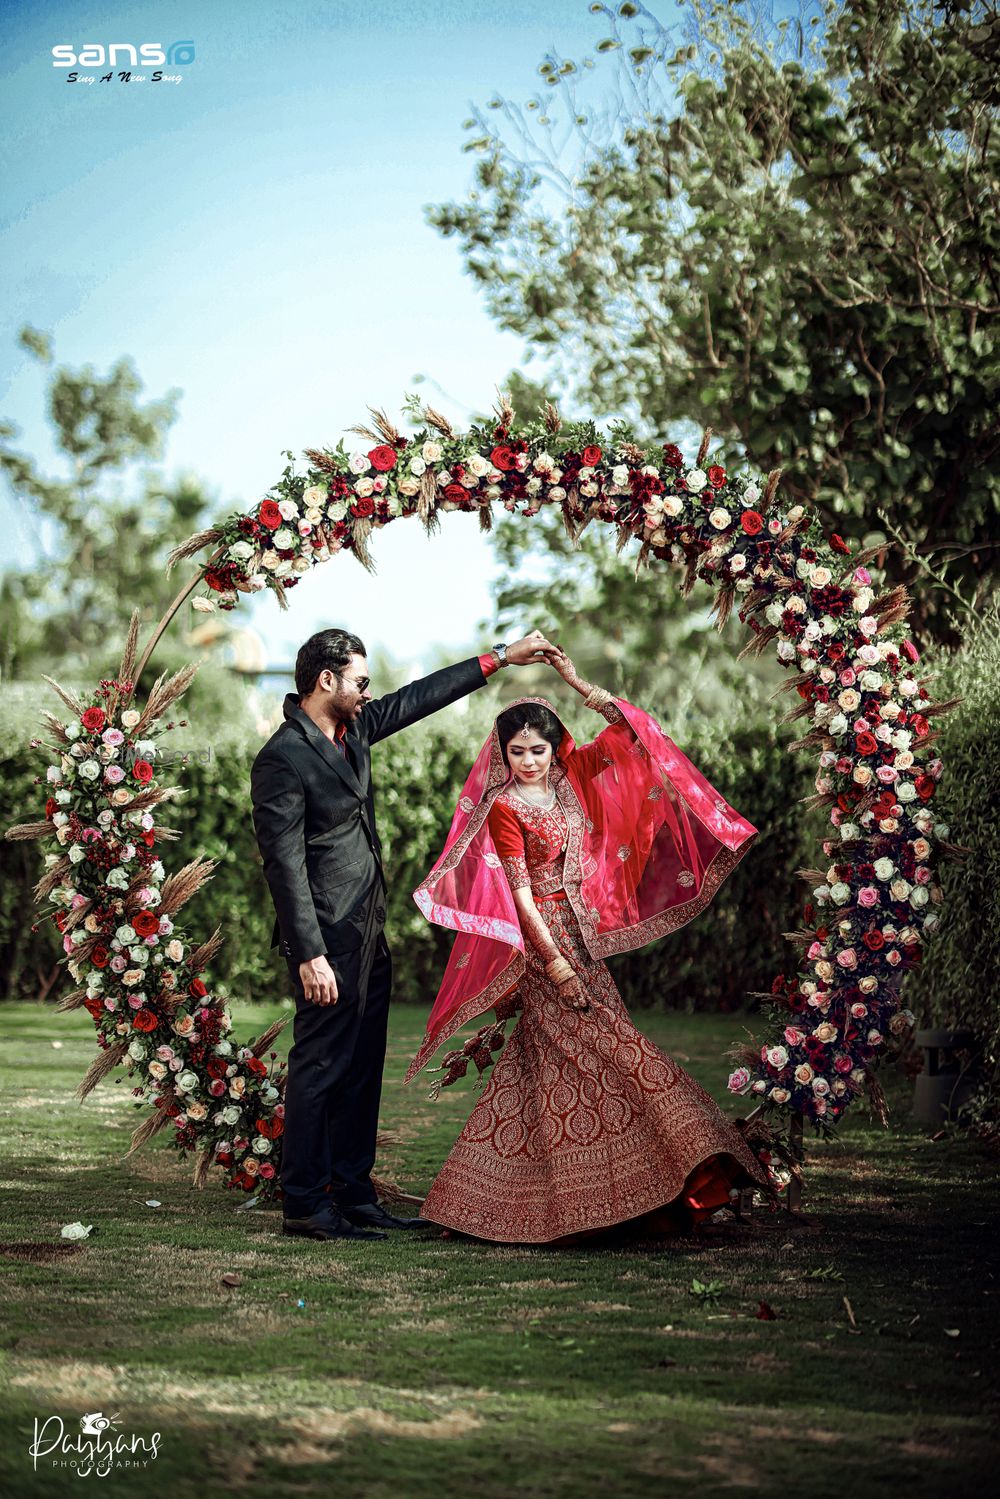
{"type": "Point", "coordinates": [417, 466]}
{"type": "Point", "coordinates": [187, 1082]}
{"type": "Point", "coordinates": [262, 1146]}
{"type": "Point", "coordinates": [919, 896]}
{"type": "Point", "coordinates": [408, 487]}
{"type": "Point", "coordinates": [130, 718]}
{"type": "Point", "coordinates": [336, 510]}
{"type": "Point", "coordinates": [884, 869]}
{"type": "Point", "coordinates": [283, 539]}
{"type": "Point", "coordinates": [74, 729]}
{"type": "Point", "coordinates": [364, 487]}
{"type": "Point", "coordinates": [313, 496]}
{"type": "Point", "coordinates": [840, 893]}
{"type": "Point", "coordinates": [230, 1114]}
{"type": "Point", "coordinates": [240, 551]}
{"type": "Point", "coordinates": [905, 791]}
{"type": "Point", "coordinates": [287, 509]}
{"type": "Point", "coordinates": [358, 463]}
{"type": "Point", "coordinates": [751, 494]}
{"type": "Point", "coordinates": [619, 475]}
{"type": "Point", "coordinates": [431, 451]}
{"type": "Point", "coordinates": [719, 518]}
{"type": "Point", "coordinates": [820, 577]}
{"type": "Point", "coordinates": [137, 1050]}
{"type": "Point", "coordinates": [89, 770]}
{"type": "Point", "coordinates": [480, 466]}
{"type": "Point", "coordinates": [696, 480]}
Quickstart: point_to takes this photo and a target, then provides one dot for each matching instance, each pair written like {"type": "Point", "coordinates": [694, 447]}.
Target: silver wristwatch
{"type": "Point", "coordinates": [501, 653]}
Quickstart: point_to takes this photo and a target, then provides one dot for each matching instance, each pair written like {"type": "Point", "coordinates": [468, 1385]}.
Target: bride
{"type": "Point", "coordinates": [559, 856]}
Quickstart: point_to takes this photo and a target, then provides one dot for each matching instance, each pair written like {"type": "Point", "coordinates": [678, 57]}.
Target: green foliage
{"type": "Point", "coordinates": [782, 232]}
{"type": "Point", "coordinates": [956, 984]}
{"type": "Point", "coordinates": [104, 527]}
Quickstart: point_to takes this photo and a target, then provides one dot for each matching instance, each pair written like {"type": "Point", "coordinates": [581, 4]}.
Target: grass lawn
{"type": "Point", "coordinates": [404, 1368]}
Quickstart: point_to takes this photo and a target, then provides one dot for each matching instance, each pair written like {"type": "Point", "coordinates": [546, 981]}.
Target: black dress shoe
{"type": "Point", "coordinates": [326, 1225]}
{"type": "Point", "coordinates": [374, 1215]}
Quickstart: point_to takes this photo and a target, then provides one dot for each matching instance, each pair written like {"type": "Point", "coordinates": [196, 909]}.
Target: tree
{"type": "Point", "coordinates": [780, 230]}
{"type": "Point", "coordinates": [101, 549]}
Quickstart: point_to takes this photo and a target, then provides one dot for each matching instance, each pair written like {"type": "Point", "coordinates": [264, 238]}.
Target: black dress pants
{"type": "Point", "coordinates": [334, 1087]}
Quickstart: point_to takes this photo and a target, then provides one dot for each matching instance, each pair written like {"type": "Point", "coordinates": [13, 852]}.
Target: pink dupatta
{"type": "Point", "coordinates": [650, 842]}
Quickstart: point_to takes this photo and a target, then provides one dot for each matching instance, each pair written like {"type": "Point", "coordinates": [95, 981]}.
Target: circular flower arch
{"type": "Point", "coordinates": [866, 715]}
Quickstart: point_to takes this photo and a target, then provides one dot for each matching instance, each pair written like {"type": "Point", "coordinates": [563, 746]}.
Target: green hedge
{"type": "Point", "coordinates": [734, 946]}
{"type": "Point", "coordinates": [957, 984]}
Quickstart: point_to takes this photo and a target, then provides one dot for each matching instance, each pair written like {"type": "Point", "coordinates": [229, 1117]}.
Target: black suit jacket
{"type": "Point", "coordinates": [314, 816]}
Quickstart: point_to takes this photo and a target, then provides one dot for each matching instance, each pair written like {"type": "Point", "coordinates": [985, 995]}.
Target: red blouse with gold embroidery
{"type": "Point", "coordinates": [531, 842]}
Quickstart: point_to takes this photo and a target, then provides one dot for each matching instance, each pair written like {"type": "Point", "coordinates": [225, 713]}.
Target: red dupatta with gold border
{"type": "Point", "coordinates": [650, 842]}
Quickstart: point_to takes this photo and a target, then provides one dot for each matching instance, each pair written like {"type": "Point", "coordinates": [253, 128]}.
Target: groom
{"type": "Point", "coordinates": [314, 816]}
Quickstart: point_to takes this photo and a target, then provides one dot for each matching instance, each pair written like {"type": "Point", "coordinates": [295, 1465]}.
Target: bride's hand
{"type": "Point", "coordinates": [572, 993]}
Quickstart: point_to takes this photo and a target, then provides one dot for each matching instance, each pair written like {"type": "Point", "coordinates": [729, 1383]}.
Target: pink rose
{"type": "Point", "coordinates": [848, 958]}
{"type": "Point", "coordinates": [738, 1079]}
{"type": "Point", "coordinates": [793, 1036]}
{"type": "Point", "coordinates": [859, 1011]}
{"type": "Point", "coordinates": [815, 950]}
{"type": "Point", "coordinates": [862, 576]}
{"type": "Point", "coordinates": [868, 896]}
{"type": "Point", "coordinates": [922, 874]}
{"type": "Point", "coordinates": [843, 766]}
{"type": "Point", "coordinates": [887, 775]}
{"type": "Point", "coordinates": [848, 677]}
{"type": "Point", "coordinates": [217, 1087]}
{"type": "Point", "coordinates": [893, 958]}
{"type": "Point", "coordinates": [842, 1064]}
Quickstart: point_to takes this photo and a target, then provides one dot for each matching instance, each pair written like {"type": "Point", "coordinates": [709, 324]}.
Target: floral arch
{"type": "Point", "coordinates": [865, 714]}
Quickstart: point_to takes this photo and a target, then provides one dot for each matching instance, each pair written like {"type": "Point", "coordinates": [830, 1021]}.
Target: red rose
{"type": "Point", "coordinates": [592, 457]}
{"type": "Point", "coordinates": [144, 1020]}
{"type": "Point", "coordinates": [835, 651]}
{"type": "Point", "coordinates": [873, 940]}
{"type": "Point", "coordinates": [216, 1067]}
{"type": "Point", "coordinates": [910, 651]}
{"type": "Point", "coordinates": [457, 493]}
{"type": "Point", "coordinates": [99, 957]}
{"type": "Point", "coordinates": [143, 771]}
{"type": "Point", "coordinates": [502, 458]}
{"type": "Point", "coordinates": [926, 786]}
{"type": "Point", "coordinates": [51, 806]}
{"type": "Point", "coordinates": [149, 838]}
{"type": "Point", "coordinates": [363, 506]}
{"type": "Point", "coordinates": [93, 719]}
{"type": "Point", "coordinates": [752, 522]}
{"type": "Point", "coordinates": [716, 476]}
{"type": "Point", "coordinates": [672, 456]}
{"type": "Point", "coordinates": [840, 545]}
{"type": "Point", "coordinates": [215, 580]}
{"type": "Point", "coordinates": [269, 515]}
{"type": "Point", "coordinates": [145, 923]}
{"type": "Point", "coordinates": [919, 724]}
{"type": "Point", "coordinates": [866, 743]}
{"type": "Point", "coordinates": [257, 1067]}
{"type": "Point", "coordinates": [383, 458]}
{"type": "Point", "coordinates": [197, 989]}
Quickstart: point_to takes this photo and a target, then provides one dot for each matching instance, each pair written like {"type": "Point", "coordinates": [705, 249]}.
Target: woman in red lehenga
{"type": "Point", "coordinates": [559, 856]}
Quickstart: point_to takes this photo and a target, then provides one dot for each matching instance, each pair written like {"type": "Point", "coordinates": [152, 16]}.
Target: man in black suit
{"type": "Point", "coordinates": [314, 816]}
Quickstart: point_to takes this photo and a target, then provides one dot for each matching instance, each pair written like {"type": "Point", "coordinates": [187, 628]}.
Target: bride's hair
{"type": "Point", "coordinates": [529, 716]}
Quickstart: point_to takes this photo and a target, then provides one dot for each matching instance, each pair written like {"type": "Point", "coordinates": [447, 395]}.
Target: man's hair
{"type": "Point", "coordinates": [529, 716]}
{"type": "Point", "coordinates": [327, 650]}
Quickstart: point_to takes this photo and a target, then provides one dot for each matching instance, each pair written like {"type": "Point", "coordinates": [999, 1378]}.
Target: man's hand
{"type": "Point", "coordinates": [319, 981]}
{"type": "Point", "coordinates": [531, 650]}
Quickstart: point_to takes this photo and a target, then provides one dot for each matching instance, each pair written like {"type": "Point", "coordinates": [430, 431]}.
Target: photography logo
{"type": "Point", "coordinates": [123, 55]}
{"type": "Point", "coordinates": [99, 1448]}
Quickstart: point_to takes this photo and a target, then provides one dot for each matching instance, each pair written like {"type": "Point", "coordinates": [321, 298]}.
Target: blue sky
{"type": "Point", "coordinates": [255, 235]}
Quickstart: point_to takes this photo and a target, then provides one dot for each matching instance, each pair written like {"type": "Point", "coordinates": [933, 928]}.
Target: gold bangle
{"type": "Point", "coordinates": [597, 698]}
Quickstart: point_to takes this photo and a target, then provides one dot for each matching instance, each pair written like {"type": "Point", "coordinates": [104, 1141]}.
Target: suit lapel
{"type": "Point", "coordinates": [335, 758]}
{"type": "Point", "coordinates": [360, 762]}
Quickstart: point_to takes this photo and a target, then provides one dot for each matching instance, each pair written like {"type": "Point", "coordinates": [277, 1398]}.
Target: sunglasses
{"type": "Point", "coordinates": [361, 683]}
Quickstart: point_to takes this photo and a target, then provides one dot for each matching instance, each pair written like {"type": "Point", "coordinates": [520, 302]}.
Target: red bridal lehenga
{"type": "Point", "coordinates": [583, 1124]}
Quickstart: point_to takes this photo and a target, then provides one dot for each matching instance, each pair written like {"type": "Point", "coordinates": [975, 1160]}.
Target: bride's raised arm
{"type": "Point", "coordinates": [593, 697]}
